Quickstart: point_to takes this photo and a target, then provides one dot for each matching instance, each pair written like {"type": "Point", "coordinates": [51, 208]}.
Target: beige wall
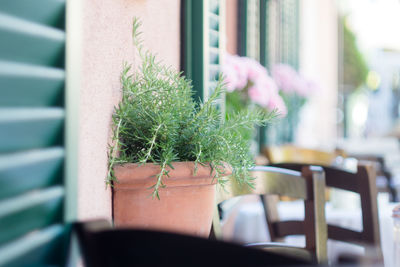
{"type": "Point", "coordinates": [231, 26]}
{"type": "Point", "coordinates": [319, 61]}
{"type": "Point", "coordinates": [107, 43]}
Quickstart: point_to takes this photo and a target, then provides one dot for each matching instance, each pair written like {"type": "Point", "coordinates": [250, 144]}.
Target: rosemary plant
{"type": "Point", "coordinates": [158, 121]}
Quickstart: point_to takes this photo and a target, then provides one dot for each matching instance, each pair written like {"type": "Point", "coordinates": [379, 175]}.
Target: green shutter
{"type": "Point", "coordinates": [250, 20]}
{"type": "Point", "coordinates": [289, 32]}
{"type": "Point", "coordinates": [242, 27]}
{"type": "Point", "coordinates": [253, 29]}
{"type": "Point", "coordinates": [264, 60]}
{"type": "Point", "coordinates": [202, 40]}
{"type": "Point", "coordinates": [249, 28]}
{"type": "Point", "coordinates": [264, 25]}
{"type": "Point", "coordinates": [279, 42]}
{"type": "Point", "coordinates": [32, 115]}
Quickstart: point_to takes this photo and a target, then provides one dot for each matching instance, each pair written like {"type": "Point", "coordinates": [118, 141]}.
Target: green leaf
{"type": "Point", "coordinates": [170, 165]}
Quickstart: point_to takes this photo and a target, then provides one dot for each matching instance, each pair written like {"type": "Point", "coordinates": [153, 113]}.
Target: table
{"type": "Point", "coordinates": [251, 227]}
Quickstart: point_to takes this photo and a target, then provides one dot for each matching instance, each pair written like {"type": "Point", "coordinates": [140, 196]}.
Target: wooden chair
{"type": "Point", "coordinates": [309, 185]}
{"type": "Point", "coordinates": [103, 246]}
{"type": "Point", "coordinates": [362, 183]}
{"type": "Point", "coordinates": [295, 154]}
{"type": "Point", "coordinates": [383, 174]}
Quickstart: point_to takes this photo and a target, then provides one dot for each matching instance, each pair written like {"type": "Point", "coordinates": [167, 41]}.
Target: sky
{"type": "Point", "coordinates": [375, 22]}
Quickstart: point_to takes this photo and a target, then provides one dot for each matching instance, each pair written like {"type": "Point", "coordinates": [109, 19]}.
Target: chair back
{"type": "Point", "coordinates": [295, 154]}
{"type": "Point", "coordinates": [363, 183]}
{"type": "Point", "coordinates": [309, 185]}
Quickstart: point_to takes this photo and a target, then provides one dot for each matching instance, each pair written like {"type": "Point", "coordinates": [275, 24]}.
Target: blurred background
{"type": "Point", "coordinates": [329, 68]}
{"type": "Point", "coordinates": [332, 71]}
{"type": "Point", "coordinates": [349, 49]}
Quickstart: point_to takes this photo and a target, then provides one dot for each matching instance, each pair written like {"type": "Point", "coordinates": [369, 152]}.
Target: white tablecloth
{"type": "Point", "coordinates": [250, 225]}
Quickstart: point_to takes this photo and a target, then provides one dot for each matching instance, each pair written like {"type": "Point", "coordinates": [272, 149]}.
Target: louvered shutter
{"type": "Point", "coordinates": [32, 115]}
{"type": "Point", "coordinates": [264, 33]}
{"type": "Point", "coordinates": [279, 43]}
{"type": "Point", "coordinates": [279, 32]}
{"type": "Point", "coordinates": [289, 32]}
{"type": "Point", "coordinates": [249, 28]}
{"type": "Point", "coordinates": [250, 44]}
{"type": "Point", "coordinates": [203, 43]}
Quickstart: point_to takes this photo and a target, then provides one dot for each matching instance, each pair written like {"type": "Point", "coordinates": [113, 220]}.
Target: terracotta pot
{"type": "Point", "coordinates": [186, 204]}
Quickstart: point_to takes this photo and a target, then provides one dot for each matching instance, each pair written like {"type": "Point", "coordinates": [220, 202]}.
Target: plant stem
{"type": "Point", "coordinates": [113, 151]}
{"type": "Point", "coordinates": [153, 141]}
{"type": "Point", "coordinates": [159, 180]}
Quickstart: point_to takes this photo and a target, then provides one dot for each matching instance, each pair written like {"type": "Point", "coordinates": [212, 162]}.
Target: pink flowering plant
{"type": "Point", "coordinates": [294, 89]}
{"type": "Point", "coordinates": [249, 86]}
{"type": "Point", "coordinates": [291, 83]}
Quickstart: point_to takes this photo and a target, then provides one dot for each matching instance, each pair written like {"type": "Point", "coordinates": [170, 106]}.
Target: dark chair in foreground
{"type": "Point", "coordinates": [363, 183]}
{"type": "Point", "coordinates": [105, 247]}
{"type": "Point", "coordinates": [308, 185]}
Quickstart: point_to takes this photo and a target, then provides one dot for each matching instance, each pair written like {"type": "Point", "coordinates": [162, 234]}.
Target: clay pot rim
{"type": "Point", "coordinates": [135, 175]}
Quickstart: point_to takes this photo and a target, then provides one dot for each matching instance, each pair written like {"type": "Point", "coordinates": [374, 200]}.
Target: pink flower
{"type": "Point", "coordinates": [260, 93]}
{"type": "Point", "coordinates": [236, 70]}
{"type": "Point", "coordinates": [264, 91]}
{"type": "Point", "coordinates": [285, 77]}
{"type": "Point", "coordinates": [289, 81]}
{"type": "Point", "coordinates": [268, 83]}
{"type": "Point", "coordinates": [276, 103]}
{"type": "Point", "coordinates": [230, 77]}
{"type": "Point", "coordinates": [255, 70]}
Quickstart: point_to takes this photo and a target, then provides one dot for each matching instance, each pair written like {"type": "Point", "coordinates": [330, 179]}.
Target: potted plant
{"type": "Point", "coordinates": [169, 151]}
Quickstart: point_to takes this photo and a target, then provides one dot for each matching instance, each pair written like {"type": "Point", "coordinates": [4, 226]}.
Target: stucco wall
{"type": "Point", "coordinates": [319, 61]}
{"type": "Point", "coordinates": [107, 43]}
{"type": "Point", "coordinates": [231, 26]}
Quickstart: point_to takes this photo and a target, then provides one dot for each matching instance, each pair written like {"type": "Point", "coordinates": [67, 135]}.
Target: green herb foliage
{"type": "Point", "coordinates": [158, 121]}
